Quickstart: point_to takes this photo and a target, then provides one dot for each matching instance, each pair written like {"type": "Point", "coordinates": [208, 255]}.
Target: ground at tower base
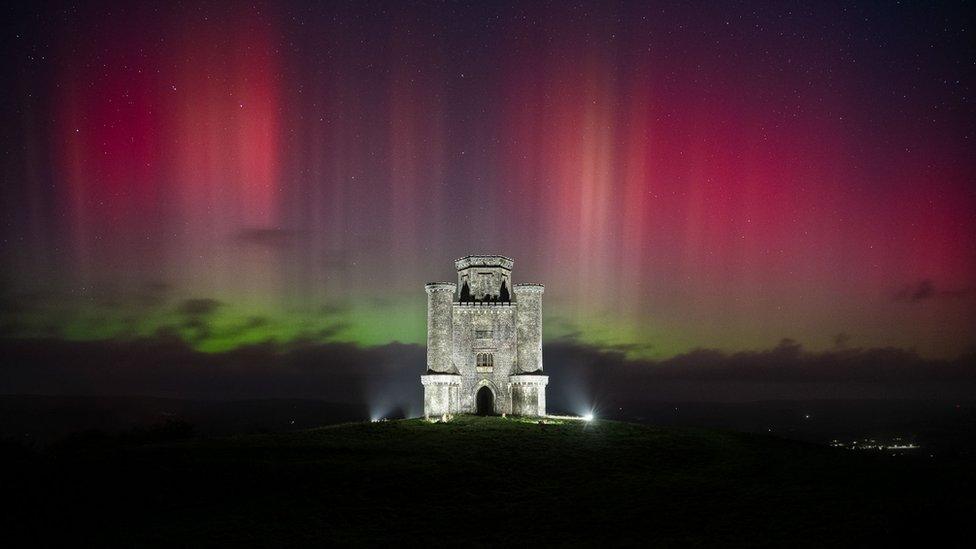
{"type": "Point", "coordinates": [482, 481]}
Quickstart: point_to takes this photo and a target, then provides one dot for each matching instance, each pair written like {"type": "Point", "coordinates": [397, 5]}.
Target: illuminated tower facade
{"type": "Point", "coordinates": [484, 342]}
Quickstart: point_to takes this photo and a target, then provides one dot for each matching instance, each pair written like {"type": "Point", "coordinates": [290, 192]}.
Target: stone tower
{"type": "Point", "coordinates": [484, 342]}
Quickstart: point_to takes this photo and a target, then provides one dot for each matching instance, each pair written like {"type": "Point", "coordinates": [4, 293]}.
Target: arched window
{"type": "Point", "coordinates": [503, 295]}
{"type": "Point", "coordinates": [484, 360]}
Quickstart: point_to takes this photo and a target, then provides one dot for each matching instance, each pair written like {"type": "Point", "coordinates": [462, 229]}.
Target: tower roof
{"type": "Point", "coordinates": [484, 261]}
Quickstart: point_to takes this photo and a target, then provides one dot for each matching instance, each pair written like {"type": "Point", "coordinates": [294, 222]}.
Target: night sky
{"type": "Point", "coordinates": [714, 175]}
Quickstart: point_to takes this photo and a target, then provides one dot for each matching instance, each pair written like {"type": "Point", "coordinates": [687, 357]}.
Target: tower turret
{"type": "Point", "coordinates": [484, 277]}
{"type": "Point", "coordinates": [528, 301]}
{"type": "Point", "coordinates": [440, 301]}
{"type": "Point", "coordinates": [528, 384]}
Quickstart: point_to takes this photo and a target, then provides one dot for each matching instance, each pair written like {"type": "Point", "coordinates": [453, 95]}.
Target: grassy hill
{"type": "Point", "coordinates": [482, 481]}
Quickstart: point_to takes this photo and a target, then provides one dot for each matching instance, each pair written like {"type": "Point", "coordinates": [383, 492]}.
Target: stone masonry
{"type": "Point", "coordinates": [484, 342]}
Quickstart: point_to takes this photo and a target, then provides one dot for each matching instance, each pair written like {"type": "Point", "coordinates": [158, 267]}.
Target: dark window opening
{"type": "Point", "coordinates": [503, 294]}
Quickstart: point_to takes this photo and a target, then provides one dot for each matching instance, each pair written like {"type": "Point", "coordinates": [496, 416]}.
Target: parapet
{"type": "Point", "coordinates": [538, 380]}
{"type": "Point", "coordinates": [440, 379]}
{"type": "Point", "coordinates": [526, 287]}
{"type": "Point", "coordinates": [484, 261]}
{"type": "Point", "coordinates": [432, 287]}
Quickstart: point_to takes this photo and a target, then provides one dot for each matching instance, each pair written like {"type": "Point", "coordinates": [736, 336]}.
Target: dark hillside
{"type": "Point", "coordinates": [481, 480]}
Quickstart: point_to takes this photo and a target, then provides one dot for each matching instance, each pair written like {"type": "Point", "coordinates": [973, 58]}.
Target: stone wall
{"type": "Point", "coordinates": [440, 298]}
{"type": "Point", "coordinates": [499, 320]}
{"type": "Point", "coordinates": [529, 395]}
{"type": "Point", "coordinates": [484, 274]}
{"type": "Point", "coordinates": [441, 394]}
{"type": "Point", "coordinates": [528, 299]}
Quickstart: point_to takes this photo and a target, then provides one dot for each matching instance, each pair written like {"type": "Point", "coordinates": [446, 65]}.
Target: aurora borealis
{"type": "Point", "coordinates": [712, 175]}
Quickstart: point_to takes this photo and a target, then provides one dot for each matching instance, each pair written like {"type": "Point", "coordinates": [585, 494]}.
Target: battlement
{"type": "Point", "coordinates": [497, 261]}
{"type": "Point", "coordinates": [479, 304]}
{"type": "Point", "coordinates": [528, 287]}
{"type": "Point", "coordinates": [440, 287]}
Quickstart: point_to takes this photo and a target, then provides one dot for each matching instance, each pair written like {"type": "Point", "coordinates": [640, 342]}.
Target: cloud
{"type": "Point", "coordinates": [255, 322]}
{"type": "Point", "coordinates": [925, 289]}
{"type": "Point", "coordinates": [198, 307]}
{"type": "Point", "coordinates": [919, 291]}
{"type": "Point", "coordinates": [582, 372]}
{"type": "Point", "coordinates": [196, 316]}
{"type": "Point", "coordinates": [333, 330]}
{"type": "Point", "coordinates": [166, 365]}
{"type": "Point", "coordinates": [334, 308]}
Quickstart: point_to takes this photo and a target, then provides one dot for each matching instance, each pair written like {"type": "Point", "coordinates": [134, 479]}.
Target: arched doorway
{"type": "Point", "coordinates": [486, 402]}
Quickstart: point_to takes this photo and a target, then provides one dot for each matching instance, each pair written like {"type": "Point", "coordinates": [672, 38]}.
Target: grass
{"type": "Point", "coordinates": [483, 481]}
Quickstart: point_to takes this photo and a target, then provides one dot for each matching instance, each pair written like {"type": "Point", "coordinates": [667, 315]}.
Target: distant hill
{"type": "Point", "coordinates": [38, 420]}
{"type": "Point", "coordinates": [479, 481]}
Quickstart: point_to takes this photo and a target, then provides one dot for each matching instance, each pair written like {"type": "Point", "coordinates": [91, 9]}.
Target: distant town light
{"type": "Point", "coordinates": [588, 417]}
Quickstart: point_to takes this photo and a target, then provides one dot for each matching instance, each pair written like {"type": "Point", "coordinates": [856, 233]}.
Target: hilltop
{"type": "Point", "coordinates": [483, 481]}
